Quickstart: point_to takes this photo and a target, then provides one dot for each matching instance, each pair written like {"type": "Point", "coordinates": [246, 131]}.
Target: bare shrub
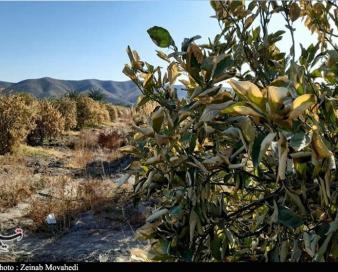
{"type": "Point", "coordinates": [110, 140]}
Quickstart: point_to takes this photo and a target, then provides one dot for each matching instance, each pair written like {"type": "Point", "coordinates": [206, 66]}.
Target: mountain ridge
{"type": "Point", "coordinates": [116, 92]}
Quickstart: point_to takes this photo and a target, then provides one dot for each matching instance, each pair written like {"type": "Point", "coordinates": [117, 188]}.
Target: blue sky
{"type": "Point", "coordinates": [80, 40]}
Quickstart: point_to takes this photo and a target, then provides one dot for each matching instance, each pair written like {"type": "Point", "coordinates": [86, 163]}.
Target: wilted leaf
{"type": "Point", "coordinates": [318, 144]}
{"type": "Point", "coordinates": [173, 72]}
{"type": "Point", "coordinates": [157, 119]}
{"type": "Point", "coordinates": [294, 11]}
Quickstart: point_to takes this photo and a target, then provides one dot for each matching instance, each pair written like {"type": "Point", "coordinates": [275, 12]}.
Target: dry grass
{"type": "Point", "coordinates": [33, 151]}
{"type": "Point", "coordinates": [70, 197]}
{"type": "Point", "coordinates": [17, 183]}
{"type": "Point", "coordinates": [20, 179]}
{"type": "Point", "coordinates": [81, 157]}
{"type": "Point", "coordinates": [87, 139]}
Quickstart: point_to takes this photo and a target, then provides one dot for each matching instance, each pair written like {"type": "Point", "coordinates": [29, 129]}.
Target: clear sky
{"type": "Point", "coordinates": [82, 40]}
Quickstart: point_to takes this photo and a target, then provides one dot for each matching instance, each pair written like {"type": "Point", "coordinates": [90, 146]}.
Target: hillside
{"type": "Point", "coordinates": [116, 92]}
{"type": "Point", "coordinates": [4, 85]}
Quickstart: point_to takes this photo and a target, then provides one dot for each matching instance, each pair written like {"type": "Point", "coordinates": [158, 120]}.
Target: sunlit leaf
{"type": "Point", "coordinates": [160, 36]}
{"type": "Point", "coordinates": [300, 104]}
{"type": "Point", "coordinates": [249, 91]}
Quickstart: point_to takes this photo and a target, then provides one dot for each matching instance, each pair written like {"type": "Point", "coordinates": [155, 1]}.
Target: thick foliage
{"type": "Point", "coordinates": [49, 123]}
{"type": "Point", "coordinates": [244, 167]}
{"type": "Point", "coordinates": [97, 94]}
{"type": "Point", "coordinates": [90, 112]}
{"type": "Point", "coordinates": [17, 119]}
{"type": "Point", "coordinates": [67, 108]}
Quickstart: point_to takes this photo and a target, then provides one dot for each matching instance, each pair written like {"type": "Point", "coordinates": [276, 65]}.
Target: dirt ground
{"type": "Point", "coordinates": [73, 178]}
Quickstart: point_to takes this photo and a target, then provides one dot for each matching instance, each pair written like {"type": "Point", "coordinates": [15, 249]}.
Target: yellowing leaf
{"type": "Point", "coordinates": [147, 131]}
{"type": "Point", "coordinates": [248, 90]}
{"type": "Point", "coordinates": [157, 119]}
{"type": "Point", "coordinates": [147, 79]}
{"type": "Point", "coordinates": [301, 104]}
{"type": "Point", "coordinates": [318, 144]}
{"type": "Point", "coordinates": [276, 96]}
{"type": "Point", "coordinates": [197, 52]}
{"type": "Point", "coordinates": [173, 72]}
{"type": "Point", "coordinates": [239, 108]}
{"type": "Point", "coordinates": [128, 149]}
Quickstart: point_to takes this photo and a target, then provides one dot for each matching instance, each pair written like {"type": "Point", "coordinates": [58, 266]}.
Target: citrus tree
{"type": "Point", "coordinates": [18, 114]}
{"type": "Point", "coordinates": [243, 168]}
{"type": "Point", "coordinates": [49, 123]}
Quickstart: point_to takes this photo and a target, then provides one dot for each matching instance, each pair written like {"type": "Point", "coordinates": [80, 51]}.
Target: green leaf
{"type": "Point", "coordinates": [160, 36]}
{"type": "Point", "coordinates": [256, 149]}
{"type": "Point", "coordinates": [288, 218]}
{"type": "Point", "coordinates": [224, 62]}
{"type": "Point", "coordinates": [299, 141]}
{"type": "Point", "coordinates": [187, 41]}
{"type": "Point", "coordinates": [260, 146]}
{"type": "Point", "coordinates": [216, 246]}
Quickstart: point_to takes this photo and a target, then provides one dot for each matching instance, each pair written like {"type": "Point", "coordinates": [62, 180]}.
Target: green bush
{"type": "Point", "coordinates": [244, 168]}
{"type": "Point", "coordinates": [17, 118]}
